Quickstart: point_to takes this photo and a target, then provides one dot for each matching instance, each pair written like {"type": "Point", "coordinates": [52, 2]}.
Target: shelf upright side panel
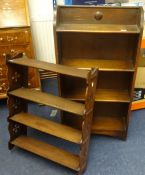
{"type": "Point", "coordinates": [17, 78]}
{"type": "Point", "coordinates": [87, 118]}
{"type": "Point", "coordinates": [140, 23]}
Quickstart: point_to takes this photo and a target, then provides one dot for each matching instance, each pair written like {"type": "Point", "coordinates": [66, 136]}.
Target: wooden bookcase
{"type": "Point", "coordinates": [107, 38]}
{"type": "Point", "coordinates": [20, 118]}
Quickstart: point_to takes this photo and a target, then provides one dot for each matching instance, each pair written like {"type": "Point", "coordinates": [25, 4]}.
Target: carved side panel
{"type": "Point", "coordinates": [87, 118]}
{"type": "Point", "coordinates": [15, 130]}
{"type": "Point", "coordinates": [17, 74]}
{"type": "Point", "coordinates": [17, 78]}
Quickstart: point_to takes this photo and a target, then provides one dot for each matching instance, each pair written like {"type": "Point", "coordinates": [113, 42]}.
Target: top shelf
{"type": "Point", "coordinates": [98, 28]}
{"type": "Point", "coordinates": [57, 68]}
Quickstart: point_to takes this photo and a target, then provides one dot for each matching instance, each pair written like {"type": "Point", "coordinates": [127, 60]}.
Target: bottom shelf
{"type": "Point", "coordinates": [111, 125]}
{"type": "Point", "coordinates": [108, 125]}
{"type": "Point", "coordinates": [48, 151]}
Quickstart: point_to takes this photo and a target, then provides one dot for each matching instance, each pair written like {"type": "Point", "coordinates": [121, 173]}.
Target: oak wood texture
{"type": "Point", "coordinates": [108, 123]}
{"type": "Point", "coordinates": [111, 95]}
{"type": "Point", "coordinates": [107, 38]}
{"type": "Point", "coordinates": [49, 100]}
{"type": "Point", "coordinates": [18, 13]}
{"type": "Point", "coordinates": [51, 67]}
{"type": "Point", "coordinates": [86, 15]}
{"type": "Point", "coordinates": [15, 37]}
{"type": "Point", "coordinates": [102, 64]}
{"type": "Point", "coordinates": [101, 28]}
{"type": "Point", "coordinates": [102, 95]}
{"type": "Point", "coordinates": [48, 151]}
{"type": "Point", "coordinates": [49, 127]}
{"type": "Point", "coordinates": [19, 118]}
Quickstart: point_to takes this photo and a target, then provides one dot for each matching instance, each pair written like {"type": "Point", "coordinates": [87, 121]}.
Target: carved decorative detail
{"type": "Point", "coordinates": [16, 129]}
{"type": "Point", "coordinates": [1, 71]}
{"type": "Point", "coordinates": [17, 104]}
{"type": "Point", "coordinates": [16, 76]}
{"type": "Point", "coordinates": [3, 87]}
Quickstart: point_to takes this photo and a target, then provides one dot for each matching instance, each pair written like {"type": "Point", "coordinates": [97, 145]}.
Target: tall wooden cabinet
{"type": "Point", "coordinates": [15, 37]}
{"type": "Point", "coordinates": [107, 38]}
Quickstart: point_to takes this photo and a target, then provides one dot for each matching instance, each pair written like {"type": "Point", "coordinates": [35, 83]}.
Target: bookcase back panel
{"type": "Point", "coordinates": [97, 46]}
{"type": "Point", "coordinates": [72, 120]}
{"type": "Point", "coordinates": [114, 80]}
{"type": "Point", "coordinates": [72, 87]}
{"type": "Point", "coordinates": [110, 109]}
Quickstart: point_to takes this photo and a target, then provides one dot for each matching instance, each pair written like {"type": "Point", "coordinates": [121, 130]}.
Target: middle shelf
{"type": "Point", "coordinates": [103, 64]}
{"type": "Point", "coordinates": [48, 127]}
{"type": "Point", "coordinates": [49, 99]}
{"type": "Point", "coordinates": [101, 95]}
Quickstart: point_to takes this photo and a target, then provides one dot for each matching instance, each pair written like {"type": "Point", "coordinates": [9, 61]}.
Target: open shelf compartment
{"type": "Point", "coordinates": [111, 121]}
{"type": "Point", "coordinates": [115, 88]}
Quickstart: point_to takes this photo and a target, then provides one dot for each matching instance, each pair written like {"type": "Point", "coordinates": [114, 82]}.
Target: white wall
{"type": "Point", "coordinates": [41, 19]}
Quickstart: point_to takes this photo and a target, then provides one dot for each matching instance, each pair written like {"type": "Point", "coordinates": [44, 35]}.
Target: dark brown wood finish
{"type": "Point", "coordinates": [107, 38]}
{"type": "Point", "coordinates": [17, 77]}
{"type": "Point", "coordinates": [19, 118]}
{"type": "Point", "coordinates": [15, 37]}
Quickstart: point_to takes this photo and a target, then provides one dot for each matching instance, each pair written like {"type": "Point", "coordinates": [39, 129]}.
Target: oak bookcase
{"type": "Point", "coordinates": [107, 38]}
{"type": "Point", "coordinates": [20, 118]}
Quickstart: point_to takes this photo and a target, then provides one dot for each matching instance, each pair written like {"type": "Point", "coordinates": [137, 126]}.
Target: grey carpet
{"type": "Point", "coordinates": [108, 156]}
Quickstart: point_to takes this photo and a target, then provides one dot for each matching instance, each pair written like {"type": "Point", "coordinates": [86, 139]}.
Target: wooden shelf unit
{"type": "Point", "coordinates": [107, 38]}
{"type": "Point", "coordinates": [19, 118]}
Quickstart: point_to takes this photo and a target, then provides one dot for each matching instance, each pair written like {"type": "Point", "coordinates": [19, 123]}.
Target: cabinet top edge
{"type": "Point", "coordinates": [105, 7]}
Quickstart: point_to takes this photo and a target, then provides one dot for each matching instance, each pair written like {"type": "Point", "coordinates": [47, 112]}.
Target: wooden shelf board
{"type": "Point", "coordinates": [98, 28]}
{"type": "Point", "coordinates": [48, 151]}
{"type": "Point", "coordinates": [49, 127]}
{"type": "Point", "coordinates": [110, 95]}
{"type": "Point", "coordinates": [101, 64]}
{"type": "Point", "coordinates": [50, 67]}
{"type": "Point", "coordinates": [108, 123]}
{"type": "Point", "coordinates": [49, 100]}
{"type": "Point", "coordinates": [101, 95]}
